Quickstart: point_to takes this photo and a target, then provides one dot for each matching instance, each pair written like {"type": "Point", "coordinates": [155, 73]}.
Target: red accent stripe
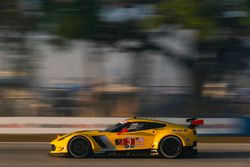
{"type": "Point", "coordinates": [198, 122]}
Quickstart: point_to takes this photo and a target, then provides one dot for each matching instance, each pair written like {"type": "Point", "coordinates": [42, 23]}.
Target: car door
{"type": "Point", "coordinates": [132, 136]}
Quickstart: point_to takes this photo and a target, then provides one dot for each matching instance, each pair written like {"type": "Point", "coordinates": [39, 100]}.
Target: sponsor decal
{"type": "Point", "coordinates": [130, 142]}
{"type": "Point", "coordinates": [139, 141]}
{"type": "Point", "coordinates": [118, 142]}
{"type": "Point", "coordinates": [179, 130]}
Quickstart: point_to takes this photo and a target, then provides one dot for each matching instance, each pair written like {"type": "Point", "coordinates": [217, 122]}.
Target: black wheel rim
{"type": "Point", "coordinates": [171, 147]}
{"type": "Point", "coordinates": [79, 148]}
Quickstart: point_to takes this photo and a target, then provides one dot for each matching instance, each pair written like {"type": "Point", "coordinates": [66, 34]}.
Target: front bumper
{"type": "Point", "coordinates": [59, 154]}
{"type": "Point", "coordinates": [58, 149]}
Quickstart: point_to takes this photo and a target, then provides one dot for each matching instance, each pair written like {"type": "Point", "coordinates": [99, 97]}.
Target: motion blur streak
{"type": "Point", "coordinates": [124, 58]}
{"type": "Point", "coordinates": [178, 58]}
{"type": "Point", "coordinates": [35, 154]}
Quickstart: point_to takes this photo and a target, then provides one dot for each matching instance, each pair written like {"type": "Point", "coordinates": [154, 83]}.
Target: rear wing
{"type": "Point", "coordinates": [194, 122]}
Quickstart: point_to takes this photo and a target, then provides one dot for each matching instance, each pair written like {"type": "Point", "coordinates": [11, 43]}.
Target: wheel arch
{"type": "Point", "coordinates": [83, 136]}
{"type": "Point", "coordinates": [158, 142]}
{"type": "Point", "coordinates": [177, 153]}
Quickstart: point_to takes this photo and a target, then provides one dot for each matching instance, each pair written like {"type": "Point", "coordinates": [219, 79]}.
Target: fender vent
{"type": "Point", "coordinates": [99, 141]}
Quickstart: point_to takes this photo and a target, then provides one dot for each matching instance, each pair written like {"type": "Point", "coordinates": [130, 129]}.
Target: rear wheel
{"type": "Point", "coordinates": [79, 147]}
{"type": "Point", "coordinates": [170, 147]}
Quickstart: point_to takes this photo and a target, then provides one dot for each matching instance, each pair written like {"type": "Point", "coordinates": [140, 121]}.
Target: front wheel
{"type": "Point", "coordinates": [170, 147]}
{"type": "Point", "coordinates": [79, 147]}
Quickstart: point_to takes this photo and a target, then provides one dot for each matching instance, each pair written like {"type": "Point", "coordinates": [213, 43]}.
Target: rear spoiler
{"type": "Point", "coordinates": [195, 122]}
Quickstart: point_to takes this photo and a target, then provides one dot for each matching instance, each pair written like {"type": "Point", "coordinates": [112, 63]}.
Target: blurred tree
{"type": "Point", "coordinates": [17, 19]}
{"type": "Point", "coordinates": [219, 23]}
{"type": "Point", "coordinates": [84, 20]}
{"type": "Point", "coordinates": [108, 22]}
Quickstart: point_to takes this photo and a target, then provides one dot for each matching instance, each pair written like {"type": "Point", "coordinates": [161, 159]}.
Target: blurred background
{"type": "Point", "coordinates": [155, 58]}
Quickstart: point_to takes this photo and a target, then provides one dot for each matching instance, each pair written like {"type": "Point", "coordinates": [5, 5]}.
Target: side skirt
{"type": "Point", "coordinates": [146, 152]}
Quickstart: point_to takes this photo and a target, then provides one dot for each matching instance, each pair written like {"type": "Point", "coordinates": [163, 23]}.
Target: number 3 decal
{"type": "Point", "coordinates": [129, 142]}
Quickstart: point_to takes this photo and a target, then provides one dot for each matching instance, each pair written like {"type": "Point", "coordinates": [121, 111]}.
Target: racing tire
{"type": "Point", "coordinates": [79, 147]}
{"type": "Point", "coordinates": [170, 147]}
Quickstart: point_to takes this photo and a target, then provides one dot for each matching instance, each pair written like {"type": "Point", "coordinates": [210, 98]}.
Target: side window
{"type": "Point", "coordinates": [151, 125]}
{"type": "Point", "coordinates": [133, 126]}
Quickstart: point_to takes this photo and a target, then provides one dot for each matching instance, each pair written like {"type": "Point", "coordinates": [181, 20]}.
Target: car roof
{"type": "Point", "coordinates": [145, 120]}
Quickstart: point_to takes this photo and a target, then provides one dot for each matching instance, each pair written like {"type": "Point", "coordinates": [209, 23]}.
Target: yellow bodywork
{"type": "Point", "coordinates": [148, 139]}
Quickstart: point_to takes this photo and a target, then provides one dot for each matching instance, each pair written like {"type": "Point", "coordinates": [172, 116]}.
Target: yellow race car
{"type": "Point", "coordinates": [131, 136]}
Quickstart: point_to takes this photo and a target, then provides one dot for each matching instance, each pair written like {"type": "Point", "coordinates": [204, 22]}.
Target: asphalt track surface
{"type": "Point", "coordinates": [210, 155]}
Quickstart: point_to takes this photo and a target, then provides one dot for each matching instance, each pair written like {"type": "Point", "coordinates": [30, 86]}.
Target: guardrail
{"type": "Point", "coordinates": [60, 125]}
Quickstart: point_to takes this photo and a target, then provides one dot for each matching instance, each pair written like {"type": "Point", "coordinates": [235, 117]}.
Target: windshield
{"type": "Point", "coordinates": [115, 128]}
